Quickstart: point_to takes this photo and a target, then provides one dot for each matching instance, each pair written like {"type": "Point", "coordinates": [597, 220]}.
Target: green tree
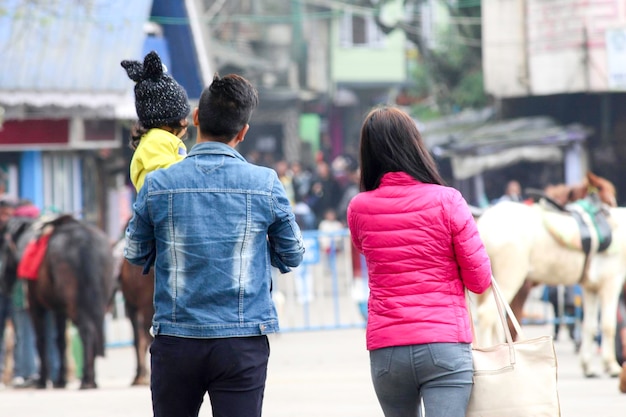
{"type": "Point", "coordinates": [449, 58]}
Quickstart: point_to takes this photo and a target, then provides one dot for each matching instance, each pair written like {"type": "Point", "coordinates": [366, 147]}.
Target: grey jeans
{"type": "Point", "coordinates": [440, 374]}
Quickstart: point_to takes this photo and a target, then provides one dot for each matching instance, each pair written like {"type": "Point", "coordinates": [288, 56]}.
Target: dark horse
{"type": "Point", "coordinates": [138, 290]}
{"type": "Point", "coordinates": [75, 281]}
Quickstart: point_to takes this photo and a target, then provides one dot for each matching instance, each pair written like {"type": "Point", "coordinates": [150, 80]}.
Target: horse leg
{"type": "Point", "coordinates": [140, 371]}
{"type": "Point", "coordinates": [88, 335]}
{"type": "Point", "coordinates": [145, 341]}
{"type": "Point", "coordinates": [589, 327]}
{"type": "Point", "coordinates": [138, 290]}
{"type": "Point", "coordinates": [38, 316]}
{"type": "Point", "coordinates": [517, 305]}
{"type": "Point", "coordinates": [609, 301]}
{"type": "Point", "coordinates": [60, 321]}
{"type": "Point", "coordinates": [147, 313]}
{"type": "Point", "coordinates": [488, 331]}
{"type": "Point", "coordinates": [5, 303]}
{"type": "Point", "coordinates": [551, 294]}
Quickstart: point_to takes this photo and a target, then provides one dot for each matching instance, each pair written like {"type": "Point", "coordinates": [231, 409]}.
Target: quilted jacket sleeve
{"type": "Point", "coordinates": [353, 226]}
{"type": "Point", "coordinates": [470, 253]}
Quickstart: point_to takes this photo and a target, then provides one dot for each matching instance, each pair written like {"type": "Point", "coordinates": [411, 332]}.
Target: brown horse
{"type": "Point", "coordinates": [138, 290]}
{"type": "Point", "coordinates": [75, 281]}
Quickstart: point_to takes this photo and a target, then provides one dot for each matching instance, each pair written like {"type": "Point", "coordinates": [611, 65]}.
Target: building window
{"type": "Point", "coordinates": [358, 30]}
{"type": "Point", "coordinates": [62, 191]}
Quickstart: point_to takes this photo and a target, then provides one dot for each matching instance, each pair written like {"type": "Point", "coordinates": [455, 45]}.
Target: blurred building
{"type": "Point", "coordinates": [68, 105]}
{"type": "Point", "coordinates": [565, 59]}
{"type": "Point", "coordinates": [60, 86]}
{"type": "Point", "coordinates": [319, 66]}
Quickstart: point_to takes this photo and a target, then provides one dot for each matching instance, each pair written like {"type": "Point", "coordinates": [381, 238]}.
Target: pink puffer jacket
{"type": "Point", "coordinates": [422, 249]}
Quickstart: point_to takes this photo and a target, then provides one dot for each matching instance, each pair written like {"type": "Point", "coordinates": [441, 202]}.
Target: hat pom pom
{"type": "Point", "coordinates": [134, 69]}
{"type": "Point", "coordinates": [153, 68]}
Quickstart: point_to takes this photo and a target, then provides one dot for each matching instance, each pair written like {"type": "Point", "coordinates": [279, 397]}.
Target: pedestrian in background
{"type": "Point", "coordinates": [215, 222]}
{"type": "Point", "coordinates": [329, 228]}
{"type": "Point", "coordinates": [7, 256]}
{"type": "Point", "coordinates": [325, 191]}
{"type": "Point", "coordinates": [26, 369]}
{"type": "Point", "coordinates": [512, 192]}
{"type": "Point", "coordinates": [422, 250]}
{"type": "Point", "coordinates": [162, 108]}
{"type": "Point", "coordinates": [301, 179]}
{"type": "Point", "coordinates": [286, 178]}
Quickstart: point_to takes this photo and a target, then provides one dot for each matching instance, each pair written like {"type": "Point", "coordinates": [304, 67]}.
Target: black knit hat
{"type": "Point", "coordinates": [159, 99]}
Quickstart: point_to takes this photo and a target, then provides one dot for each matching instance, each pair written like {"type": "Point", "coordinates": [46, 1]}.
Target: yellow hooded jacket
{"type": "Point", "coordinates": [158, 148]}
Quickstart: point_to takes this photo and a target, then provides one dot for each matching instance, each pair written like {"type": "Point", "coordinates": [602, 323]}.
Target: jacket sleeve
{"type": "Point", "coordinates": [469, 250]}
{"type": "Point", "coordinates": [140, 246]}
{"type": "Point", "coordinates": [353, 228]}
{"type": "Point", "coordinates": [285, 241]}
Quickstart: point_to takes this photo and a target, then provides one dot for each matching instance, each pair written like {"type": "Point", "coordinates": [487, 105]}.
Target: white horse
{"type": "Point", "coordinates": [520, 247]}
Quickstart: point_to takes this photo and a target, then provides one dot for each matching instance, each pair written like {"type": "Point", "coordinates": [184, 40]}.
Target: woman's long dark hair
{"type": "Point", "coordinates": [390, 142]}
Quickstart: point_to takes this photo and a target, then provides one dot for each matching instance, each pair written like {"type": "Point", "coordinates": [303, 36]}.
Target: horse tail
{"type": "Point", "coordinates": [118, 260]}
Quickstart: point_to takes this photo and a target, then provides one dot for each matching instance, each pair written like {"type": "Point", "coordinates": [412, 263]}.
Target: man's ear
{"type": "Point", "coordinates": [195, 117]}
{"type": "Point", "coordinates": [242, 133]}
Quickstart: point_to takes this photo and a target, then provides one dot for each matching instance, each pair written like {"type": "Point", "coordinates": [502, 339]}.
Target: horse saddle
{"type": "Point", "coordinates": [50, 221]}
{"type": "Point", "coordinates": [583, 225]}
{"type": "Point", "coordinates": [35, 250]}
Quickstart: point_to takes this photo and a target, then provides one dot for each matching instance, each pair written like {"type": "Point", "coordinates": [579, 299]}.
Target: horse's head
{"type": "Point", "coordinates": [592, 184]}
{"type": "Point", "coordinates": [603, 187]}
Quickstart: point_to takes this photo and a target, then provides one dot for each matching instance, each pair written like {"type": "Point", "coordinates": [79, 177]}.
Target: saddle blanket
{"type": "Point", "coordinates": [575, 230]}
{"type": "Point", "coordinates": [34, 252]}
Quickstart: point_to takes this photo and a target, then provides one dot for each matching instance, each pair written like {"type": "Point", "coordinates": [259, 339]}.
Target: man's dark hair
{"type": "Point", "coordinates": [225, 106]}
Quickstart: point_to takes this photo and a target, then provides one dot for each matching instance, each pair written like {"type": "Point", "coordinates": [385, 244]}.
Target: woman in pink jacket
{"type": "Point", "coordinates": [422, 250]}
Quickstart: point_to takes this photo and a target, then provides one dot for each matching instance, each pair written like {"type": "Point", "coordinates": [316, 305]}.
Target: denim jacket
{"type": "Point", "coordinates": [217, 223]}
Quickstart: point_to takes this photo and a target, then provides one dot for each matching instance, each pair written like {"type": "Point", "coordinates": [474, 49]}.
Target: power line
{"type": "Point", "coordinates": [337, 8]}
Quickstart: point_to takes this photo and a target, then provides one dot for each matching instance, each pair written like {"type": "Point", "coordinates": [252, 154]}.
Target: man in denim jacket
{"type": "Point", "coordinates": [217, 224]}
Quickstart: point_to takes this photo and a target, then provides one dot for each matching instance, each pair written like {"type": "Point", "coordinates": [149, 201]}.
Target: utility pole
{"type": "Point", "coordinates": [298, 47]}
{"type": "Point", "coordinates": [586, 59]}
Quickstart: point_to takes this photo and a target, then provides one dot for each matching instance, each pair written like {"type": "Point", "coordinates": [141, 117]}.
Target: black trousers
{"type": "Point", "coordinates": [232, 370]}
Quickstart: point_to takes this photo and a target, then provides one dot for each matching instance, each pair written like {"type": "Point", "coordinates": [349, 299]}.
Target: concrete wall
{"type": "Point", "coordinates": [538, 47]}
{"type": "Point", "coordinates": [504, 61]}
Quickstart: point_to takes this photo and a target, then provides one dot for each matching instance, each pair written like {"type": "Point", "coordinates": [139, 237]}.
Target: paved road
{"type": "Point", "coordinates": [311, 374]}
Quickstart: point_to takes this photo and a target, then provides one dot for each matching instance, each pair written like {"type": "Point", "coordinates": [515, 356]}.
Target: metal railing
{"type": "Point", "coordinates": [322, 293]}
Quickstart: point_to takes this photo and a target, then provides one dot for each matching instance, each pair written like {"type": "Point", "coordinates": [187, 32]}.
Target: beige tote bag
{"type": "Point", "coordinates": [514, 379]}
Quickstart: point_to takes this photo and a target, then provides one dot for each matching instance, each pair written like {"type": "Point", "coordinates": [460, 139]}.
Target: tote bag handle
{"type": "Point", "coordinates": [504, 309]}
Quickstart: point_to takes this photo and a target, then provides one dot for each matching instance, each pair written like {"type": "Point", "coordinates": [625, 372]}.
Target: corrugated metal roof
{"type": "Point", "coordinates": [68, 52]}
{"type": "Point", "coordinates": [475, 143]}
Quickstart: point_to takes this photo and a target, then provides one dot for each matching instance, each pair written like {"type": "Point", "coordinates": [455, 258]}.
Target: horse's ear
{"type": "Point", "coordinates": [593, 179]}
{"type": "Point", "coordinates": [605, 188]}
{"type": "Point", "coordinates": [600, 183]}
